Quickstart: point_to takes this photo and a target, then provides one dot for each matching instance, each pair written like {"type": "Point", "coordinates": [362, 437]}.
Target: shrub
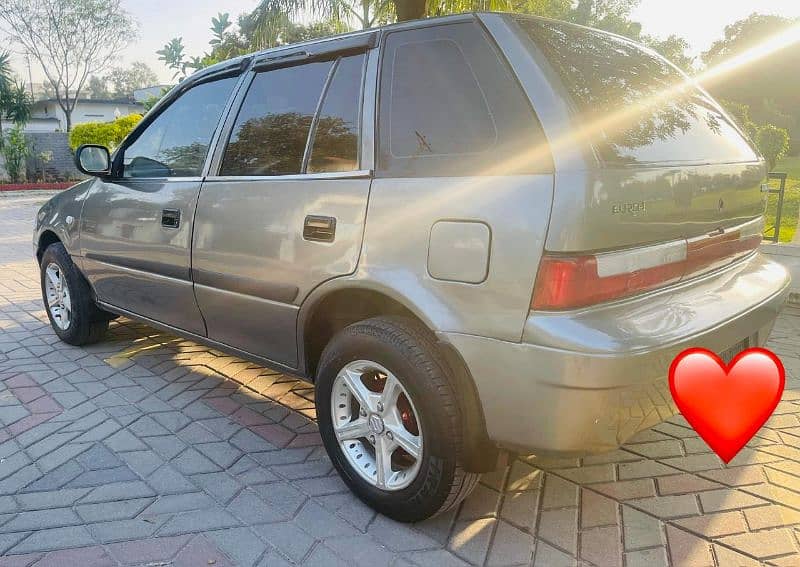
{"type": "Point", "coordinates": [108, 134]}
{"type": "Point", "coordinates": [773, 143]}
{"type": "Point", "coordinates": [15, 149]}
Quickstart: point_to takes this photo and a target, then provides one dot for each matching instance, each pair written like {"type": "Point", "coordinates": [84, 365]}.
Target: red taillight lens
{"type": "Point", "coordinates": [577, 281]}
{"type": "Point", "coordinates": [706, 251]}
{"type": "Point", "coordinates": [566, 283]}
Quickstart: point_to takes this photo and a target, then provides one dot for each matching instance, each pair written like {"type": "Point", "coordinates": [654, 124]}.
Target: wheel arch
{"type": "Point", "coordinates": [46, 238]}
{"type": "Point", "coordinates": [321, 318]}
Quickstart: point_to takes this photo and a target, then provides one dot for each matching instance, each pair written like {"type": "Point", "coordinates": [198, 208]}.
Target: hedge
{"type": "Point", "coordinates": [108, 134]}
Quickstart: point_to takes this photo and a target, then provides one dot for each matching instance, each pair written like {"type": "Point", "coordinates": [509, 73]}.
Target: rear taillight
{"type": "Point", "coordinates": [567, 282]}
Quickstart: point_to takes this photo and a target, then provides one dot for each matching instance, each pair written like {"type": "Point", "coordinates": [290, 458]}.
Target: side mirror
{"type": "Point", "coordinates": [92, 159]}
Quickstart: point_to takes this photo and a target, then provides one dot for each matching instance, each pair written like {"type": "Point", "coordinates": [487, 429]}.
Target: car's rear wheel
{"type": "Point", "coordinates": [390, 420]}
{"type": "Point", "coordinates": [73, 314]}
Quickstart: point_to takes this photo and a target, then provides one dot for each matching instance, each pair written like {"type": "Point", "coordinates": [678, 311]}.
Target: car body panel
{"type": "Point", "coordinates": [61, 215]}
{"type": "Point", "coordinates": [402, 213]}
{"type": "Point", "coordinates": [131, 259]}
{"type": "Point", "coordinates": [251, 263]}
{"type": "Point", "coordinates": [610, 209]}
{"type": "Point", "coordinates": [585, 382]}
{"type": "Point", "coordinates": [249, 238]}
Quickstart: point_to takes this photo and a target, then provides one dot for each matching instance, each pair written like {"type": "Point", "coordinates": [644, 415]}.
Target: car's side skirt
{"type": "Point", "coordinates": [277, 366]}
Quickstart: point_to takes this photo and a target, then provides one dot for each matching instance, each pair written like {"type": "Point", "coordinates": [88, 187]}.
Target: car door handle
{"type": "Point", "coordinates": [319, 229]}
{"type": "Point", "coordinates": [171, 218]}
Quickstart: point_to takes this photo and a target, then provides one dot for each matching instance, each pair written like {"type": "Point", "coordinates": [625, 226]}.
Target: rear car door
{"type": "Point", "coordinates": [285, 208]}
{"type": "Point", "coordinates": [137, 224]}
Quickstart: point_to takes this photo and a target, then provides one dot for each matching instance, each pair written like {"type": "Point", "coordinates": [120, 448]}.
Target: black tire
{"type": "Point", "coordinates": [88, 323]}
{"type": "Point", "coordinates": [407, 350]}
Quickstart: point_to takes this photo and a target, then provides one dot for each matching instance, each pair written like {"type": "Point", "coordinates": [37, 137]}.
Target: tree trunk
{"type": "Point", "coordinates": [409, 9]}
{"type": "Point", "coordinates": [68, 115]}
{"type": "Point", "coordinates": [365, 14]}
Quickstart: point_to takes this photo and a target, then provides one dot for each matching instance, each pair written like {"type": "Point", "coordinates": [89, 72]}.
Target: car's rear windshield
{"type": "Point", "coordinates": [634, 106]}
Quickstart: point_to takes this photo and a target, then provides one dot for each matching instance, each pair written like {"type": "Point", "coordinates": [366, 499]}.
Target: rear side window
{"type": "Point", "coordinates": [335, 143]}
{"type": "Point", "coordinates": [635, 107]}
{"type": "Point", "coordinates": [270, 133]}
{"type": "Point", "coordinates": [288, 110]}
{"type": "Point", "coordinates": [449, 106]}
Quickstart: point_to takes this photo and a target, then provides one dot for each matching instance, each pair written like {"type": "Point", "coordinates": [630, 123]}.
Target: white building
{"type": "Point", "coordinates": [143, 95]}
{"type": "Point", "coordinates": [47, 116]}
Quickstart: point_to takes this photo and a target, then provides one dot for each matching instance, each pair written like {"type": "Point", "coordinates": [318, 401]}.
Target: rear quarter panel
{"type": "Point", "coordinates": [401, 215]}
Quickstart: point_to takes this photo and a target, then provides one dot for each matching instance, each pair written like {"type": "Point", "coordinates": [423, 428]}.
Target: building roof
{"type": "Point", "coordinates": [114, 101]}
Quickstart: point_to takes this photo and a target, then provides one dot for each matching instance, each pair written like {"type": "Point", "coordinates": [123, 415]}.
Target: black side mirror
{"type": "Point", "coordinates": [92, 159]}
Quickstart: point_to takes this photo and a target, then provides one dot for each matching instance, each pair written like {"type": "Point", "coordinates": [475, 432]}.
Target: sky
{"type": "Point", "coordinates": [701, 22]}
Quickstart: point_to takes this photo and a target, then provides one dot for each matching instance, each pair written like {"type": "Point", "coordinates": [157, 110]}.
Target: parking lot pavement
{"type": "Point", "coordinates": [148, 449]}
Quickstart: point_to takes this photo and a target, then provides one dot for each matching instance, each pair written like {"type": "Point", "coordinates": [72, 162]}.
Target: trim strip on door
{"type": "Point", "coordinates": [147, 266]}
{"type": "Point", "coordinates": [279, 293]}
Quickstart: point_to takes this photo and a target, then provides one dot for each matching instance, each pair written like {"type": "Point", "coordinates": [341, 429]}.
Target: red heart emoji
{"type": "Point", "coordinates": [726, 405]}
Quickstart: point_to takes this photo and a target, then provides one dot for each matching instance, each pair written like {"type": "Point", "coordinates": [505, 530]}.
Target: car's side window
{"type": "Point", "coordinates": [175, 144]}
{"type": "Point", "coordinates": [271, 132]}
{"type": "Point", "coordinates": [450, 106]}
{"type": "Point", "coordinates": [336, 136]}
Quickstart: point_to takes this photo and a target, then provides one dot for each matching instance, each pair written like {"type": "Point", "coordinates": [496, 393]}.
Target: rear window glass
{"type": "Point", "coordinates": [634, 105]}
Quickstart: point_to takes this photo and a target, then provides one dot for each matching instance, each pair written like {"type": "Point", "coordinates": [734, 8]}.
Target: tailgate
{"type": "Point", "coordinates": [610, 209]}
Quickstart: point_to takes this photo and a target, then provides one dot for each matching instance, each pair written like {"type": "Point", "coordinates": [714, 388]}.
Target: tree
{"type": "Point", "coordinates": [98, 88]}
{"type": "Point", "coordinates": [270, 23]}
{"type": "Point", "coordinates": [773, 143]}
{"type": "Point", "coordinates": [15, 102]}
{"type": "Point", "coordinates": [674, 48]}
{"type": "Point", "coordinates": [126, 80]}
{"type": "Point", "coordinates": [15, 149]}
{"type": "Point", "coordinates": [609, 15]}
{"type": "Point", "coordinates": [255, 31]}
{"type": "Point", "coordinates": [770, 84]}
{"type": "Point", "coordinates": [741, 112]}
{"type": "Point", "coordinates": [173, 56]}
{"type": "Point", "coordinates": [744, 34]}
{"type": "Point", "coordinates": [5, 84]}
{"type": "Point", "coordinates": [261, 30]}
{"type": "Point", "coordinates": [70, 39]}
{"type": "Point", "coordinates": [5, 69]}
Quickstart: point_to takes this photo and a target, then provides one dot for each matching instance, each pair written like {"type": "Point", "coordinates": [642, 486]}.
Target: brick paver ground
{"type": "Point", "coordinates": [148, 449]}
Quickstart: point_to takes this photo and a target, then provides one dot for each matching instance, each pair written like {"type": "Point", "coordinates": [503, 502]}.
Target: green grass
{"type": "Point", "coordinates": [791, 200]}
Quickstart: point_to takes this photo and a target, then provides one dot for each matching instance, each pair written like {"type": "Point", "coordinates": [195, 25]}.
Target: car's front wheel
{"type": "Point", "coordinates": [390, 420]}
{"type": "Point", "coordinates": [73, 314]}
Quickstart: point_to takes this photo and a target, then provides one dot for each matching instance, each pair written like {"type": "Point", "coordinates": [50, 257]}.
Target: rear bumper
{"type": "Point", "coordinates": [585, 381]}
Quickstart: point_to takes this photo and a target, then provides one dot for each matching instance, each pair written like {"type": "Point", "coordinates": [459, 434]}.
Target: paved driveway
{"type": "Point", "coordinates": [150, 449]}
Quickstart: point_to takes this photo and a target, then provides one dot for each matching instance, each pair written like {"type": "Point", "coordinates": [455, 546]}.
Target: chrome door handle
{"type": "Point", "coordinates": [319, 229]}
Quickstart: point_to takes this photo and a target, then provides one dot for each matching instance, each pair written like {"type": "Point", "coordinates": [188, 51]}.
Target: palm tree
{"type": "Point", "coordinates": [15, 102]}
{"type": "Point", "coordinates": [5, 85]}
{"type": "Point", "coordinates": [271, 17]}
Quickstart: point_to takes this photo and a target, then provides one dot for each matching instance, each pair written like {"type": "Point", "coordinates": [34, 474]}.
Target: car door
{"type": "Point", "coordinates": [285, 208]}
{"type": "Point", "coordinates": [137, 224]}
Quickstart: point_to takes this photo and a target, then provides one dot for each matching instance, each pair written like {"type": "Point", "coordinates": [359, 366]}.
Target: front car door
{"type": "Point", "coordinates": [137, 224]}
{"type": "Point", "coordinates": [284, 210]}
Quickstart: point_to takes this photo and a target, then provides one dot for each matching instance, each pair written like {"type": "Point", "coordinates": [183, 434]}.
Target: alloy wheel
{"type": "Point", "coordinates": [59, 301]}
{"type": "Point", "coordinates": [377, 425]}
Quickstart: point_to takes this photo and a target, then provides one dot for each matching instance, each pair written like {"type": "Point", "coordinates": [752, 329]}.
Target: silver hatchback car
{"type": "Point", "coordinates": [477, 235]}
